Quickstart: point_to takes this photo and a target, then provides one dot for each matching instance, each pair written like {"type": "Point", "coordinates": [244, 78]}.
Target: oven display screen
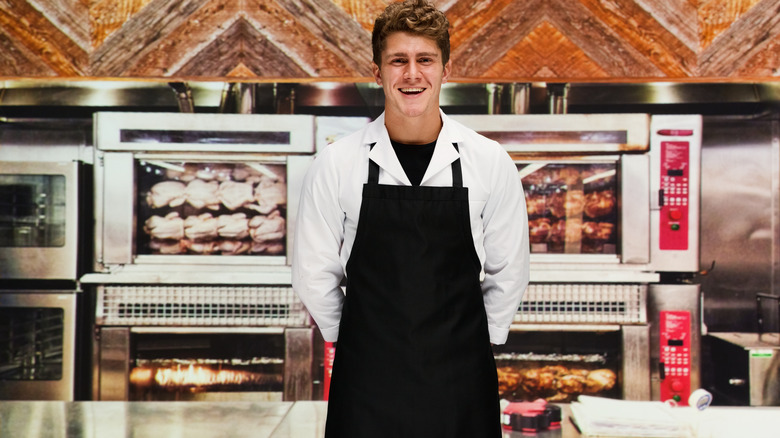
{"type": "Point", "coordinates": [572, 207]}
{"type": "Point", "coordinates": [211, 208]}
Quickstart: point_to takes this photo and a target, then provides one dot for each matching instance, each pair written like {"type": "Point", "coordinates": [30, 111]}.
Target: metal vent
{"type": "Point", "coordinates": [583, 304]}
{"type": "Point", "coordinates": [207, 305]}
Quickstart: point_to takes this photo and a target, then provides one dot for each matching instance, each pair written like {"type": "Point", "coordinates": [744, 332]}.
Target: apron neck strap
{"type": "Point", "coordinates": [457, 171]}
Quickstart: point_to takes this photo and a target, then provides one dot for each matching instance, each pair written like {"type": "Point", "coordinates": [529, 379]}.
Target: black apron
{"type": "Point", "coordinates": [413, 357]}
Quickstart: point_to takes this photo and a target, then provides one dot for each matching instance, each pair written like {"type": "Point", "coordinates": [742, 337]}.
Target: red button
{"type": "Point", "coordinates": [677, 386]}
{"type": "Point", "coordinates": [675, 214]}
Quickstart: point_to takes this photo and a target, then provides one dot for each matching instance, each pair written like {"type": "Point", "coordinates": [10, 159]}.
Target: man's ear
{"type": "Point", "coordinates": [377, 73]}
{"type": "Point", "coordinates": [447, 70]}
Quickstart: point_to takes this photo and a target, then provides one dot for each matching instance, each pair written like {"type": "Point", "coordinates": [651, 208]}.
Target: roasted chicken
{"type": "Point", "coordinates": [552, 382]}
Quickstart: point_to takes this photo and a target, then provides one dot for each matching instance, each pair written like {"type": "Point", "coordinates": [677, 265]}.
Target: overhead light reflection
{"type": "Point", "coordinates": [599, 176]}
{"type": "Point", "coordinates": [529, 169]}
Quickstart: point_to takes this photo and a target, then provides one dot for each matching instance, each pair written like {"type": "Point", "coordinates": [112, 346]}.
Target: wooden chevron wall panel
{"type": "Point", "coordinates": [492, 40]}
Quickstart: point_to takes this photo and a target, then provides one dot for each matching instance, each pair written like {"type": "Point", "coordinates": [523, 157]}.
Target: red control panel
{"type": "Point", "coordinates": [673, 195]}
{"type": "Point", "coordinates": [675, 366]}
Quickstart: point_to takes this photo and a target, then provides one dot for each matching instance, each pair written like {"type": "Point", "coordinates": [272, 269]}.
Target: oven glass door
{"type": "Point", "coordinates": [173, 212]}
{"type": "Point", "coordinates": [559, 366]}
{"type": "Point", "coordinates": [206, 366]}
{"type": "Point", "coordinates": [38, 220]}
{"type": "Point", "coordinates": [208, 208]}
{"type": "Point", "coordinates": [572, 206]}
{"type": "Point", "coordinates": [37, 346]}
{"type": "Point", "coordinates": [32, 211]}
{"type": "Point", "coordinates": [32, 343]}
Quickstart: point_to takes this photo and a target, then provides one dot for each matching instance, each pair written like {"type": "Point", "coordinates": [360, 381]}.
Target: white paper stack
{"type": "Point", "coordinates": [597, 416]}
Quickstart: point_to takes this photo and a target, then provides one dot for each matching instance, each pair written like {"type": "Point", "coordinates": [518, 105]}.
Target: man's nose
{"type": "Point", "coordinates": [412, 70]}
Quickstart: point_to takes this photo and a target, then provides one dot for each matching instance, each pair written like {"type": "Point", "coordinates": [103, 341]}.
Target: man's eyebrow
{"type": "Point", "coordinates": [430, 54]}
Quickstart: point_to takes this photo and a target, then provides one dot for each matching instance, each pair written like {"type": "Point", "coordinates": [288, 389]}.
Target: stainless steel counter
{"type": "Point", "coordinates": [140, 420]}
{"type": "Point", "coordinates": [281, 420]}
{"type": "Point", "coordinates": [21, 419]}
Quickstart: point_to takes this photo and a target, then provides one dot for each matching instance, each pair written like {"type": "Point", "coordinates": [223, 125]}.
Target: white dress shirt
{"type": "Point", "coordinates": [329, 210]}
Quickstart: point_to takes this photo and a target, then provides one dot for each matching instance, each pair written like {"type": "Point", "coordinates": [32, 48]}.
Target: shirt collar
{"type": "Point", "coordinates": [383, 154]}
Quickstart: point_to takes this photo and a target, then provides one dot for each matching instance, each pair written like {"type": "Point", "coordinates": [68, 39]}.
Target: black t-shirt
{"type": "Point", "coordinates": [414, 159]}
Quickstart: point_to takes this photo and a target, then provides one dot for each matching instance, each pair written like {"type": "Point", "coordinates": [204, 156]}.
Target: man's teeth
{"type": "Point", "coordinates": [412, 90]}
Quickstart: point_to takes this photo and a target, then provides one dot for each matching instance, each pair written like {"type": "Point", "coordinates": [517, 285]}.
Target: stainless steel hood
{"type": "Point", "coordinates": [79, 99]}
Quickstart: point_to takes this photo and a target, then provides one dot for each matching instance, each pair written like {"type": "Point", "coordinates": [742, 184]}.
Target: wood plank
{"type": "Point", "coordinates": [140, 35]}
{"type": "Point", "coordinates": [179, 44]}
{"type": "Point", "coordinates": [108, 16]}
{"type": "Point", "coordinates": [70, 16]}
{"type": "Point", "coordinates": [476, 54]}
{"type": "Point", "coordinates": [17, 61]}
{"type": "Point", "coordinates": [717, 16]}
{"type": "Point", "coordinates": [297, 40]}
{"type": "Point", "coordinates": [229, 51]}
{"type": "Point", "coordinates": [753, 33]}
{"type": "Point", "coordinates": [468, 17]}
{"type": "Point", "coordinates": [363, 12]}
{"type": "Point", "coordinates": [29, 28]}
{"type": "Point", "coordinates": [766, 63]}
{"type": "Point", "coordinates": [335, 30]}
{"type": "Point", "coordinates": [240, 72]}
{"type": "Point", "coordinates": [600, 41]}
{"type": "Point", "coordinates": [679, 17]}
{"type": "Point", "coordinates": [643, 32]}
{"type": "Point", "coordinates": [544, 54]}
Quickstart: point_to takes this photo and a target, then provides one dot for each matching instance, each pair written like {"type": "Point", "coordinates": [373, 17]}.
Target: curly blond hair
{"type": "Point", "coordinates": [418, 17]}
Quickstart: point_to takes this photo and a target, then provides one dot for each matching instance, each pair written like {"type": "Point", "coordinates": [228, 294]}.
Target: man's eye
{"type": "Point", "coordinates": [398, 61]}
{"type": "Point", "coordinates": [425, 60]}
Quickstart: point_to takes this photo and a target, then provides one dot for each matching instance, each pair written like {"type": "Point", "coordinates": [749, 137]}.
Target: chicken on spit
{"type": "Point", "coordinates": [556, 383]}
{"type": "Point", "coordinates": [267, 228]}
{"type": "Point", "coordinates": [201, 227]}
{"type": "Point", "coordinates": [166, 194]}
{"type": "Point", "coordinates": [202, 194]}
{"type": "Point", "coordinates": [233, 226]}
{"type": "Point", "coordinates": [235, 195]}
{"type": "Point", "coordinates": [171, 226]}
{"type": "Point", "coordinates": [269, 194]}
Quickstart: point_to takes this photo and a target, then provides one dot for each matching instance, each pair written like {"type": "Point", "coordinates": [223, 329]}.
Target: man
{"type": "Point", "coordinates": [426, 221]}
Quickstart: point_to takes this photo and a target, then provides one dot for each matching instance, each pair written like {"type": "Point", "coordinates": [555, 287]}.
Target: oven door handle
{"type": "Point", "coordinates": [207, 330]}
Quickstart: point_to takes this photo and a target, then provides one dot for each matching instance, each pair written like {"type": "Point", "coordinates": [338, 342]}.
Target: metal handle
{"type": "Point", "coordinates": [186, 330]}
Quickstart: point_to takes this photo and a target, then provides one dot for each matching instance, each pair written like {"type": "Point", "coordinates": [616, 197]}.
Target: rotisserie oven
{"type": "Point", "coordinates": [613, 222]}
{"type": "Point", "coordinates": [197, 192]}
{"type": "Point", "coordinates": [194, 221]}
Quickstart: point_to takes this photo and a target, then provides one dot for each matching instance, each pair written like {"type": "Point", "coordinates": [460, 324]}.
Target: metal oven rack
{"type": "Point", "coordinates": [584, 304]}
{"type": "Point", "coordinates": [199, 305]}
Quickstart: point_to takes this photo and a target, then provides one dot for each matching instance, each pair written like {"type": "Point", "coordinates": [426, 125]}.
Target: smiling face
{"type": "Point", "coordinates": [411, 74]}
